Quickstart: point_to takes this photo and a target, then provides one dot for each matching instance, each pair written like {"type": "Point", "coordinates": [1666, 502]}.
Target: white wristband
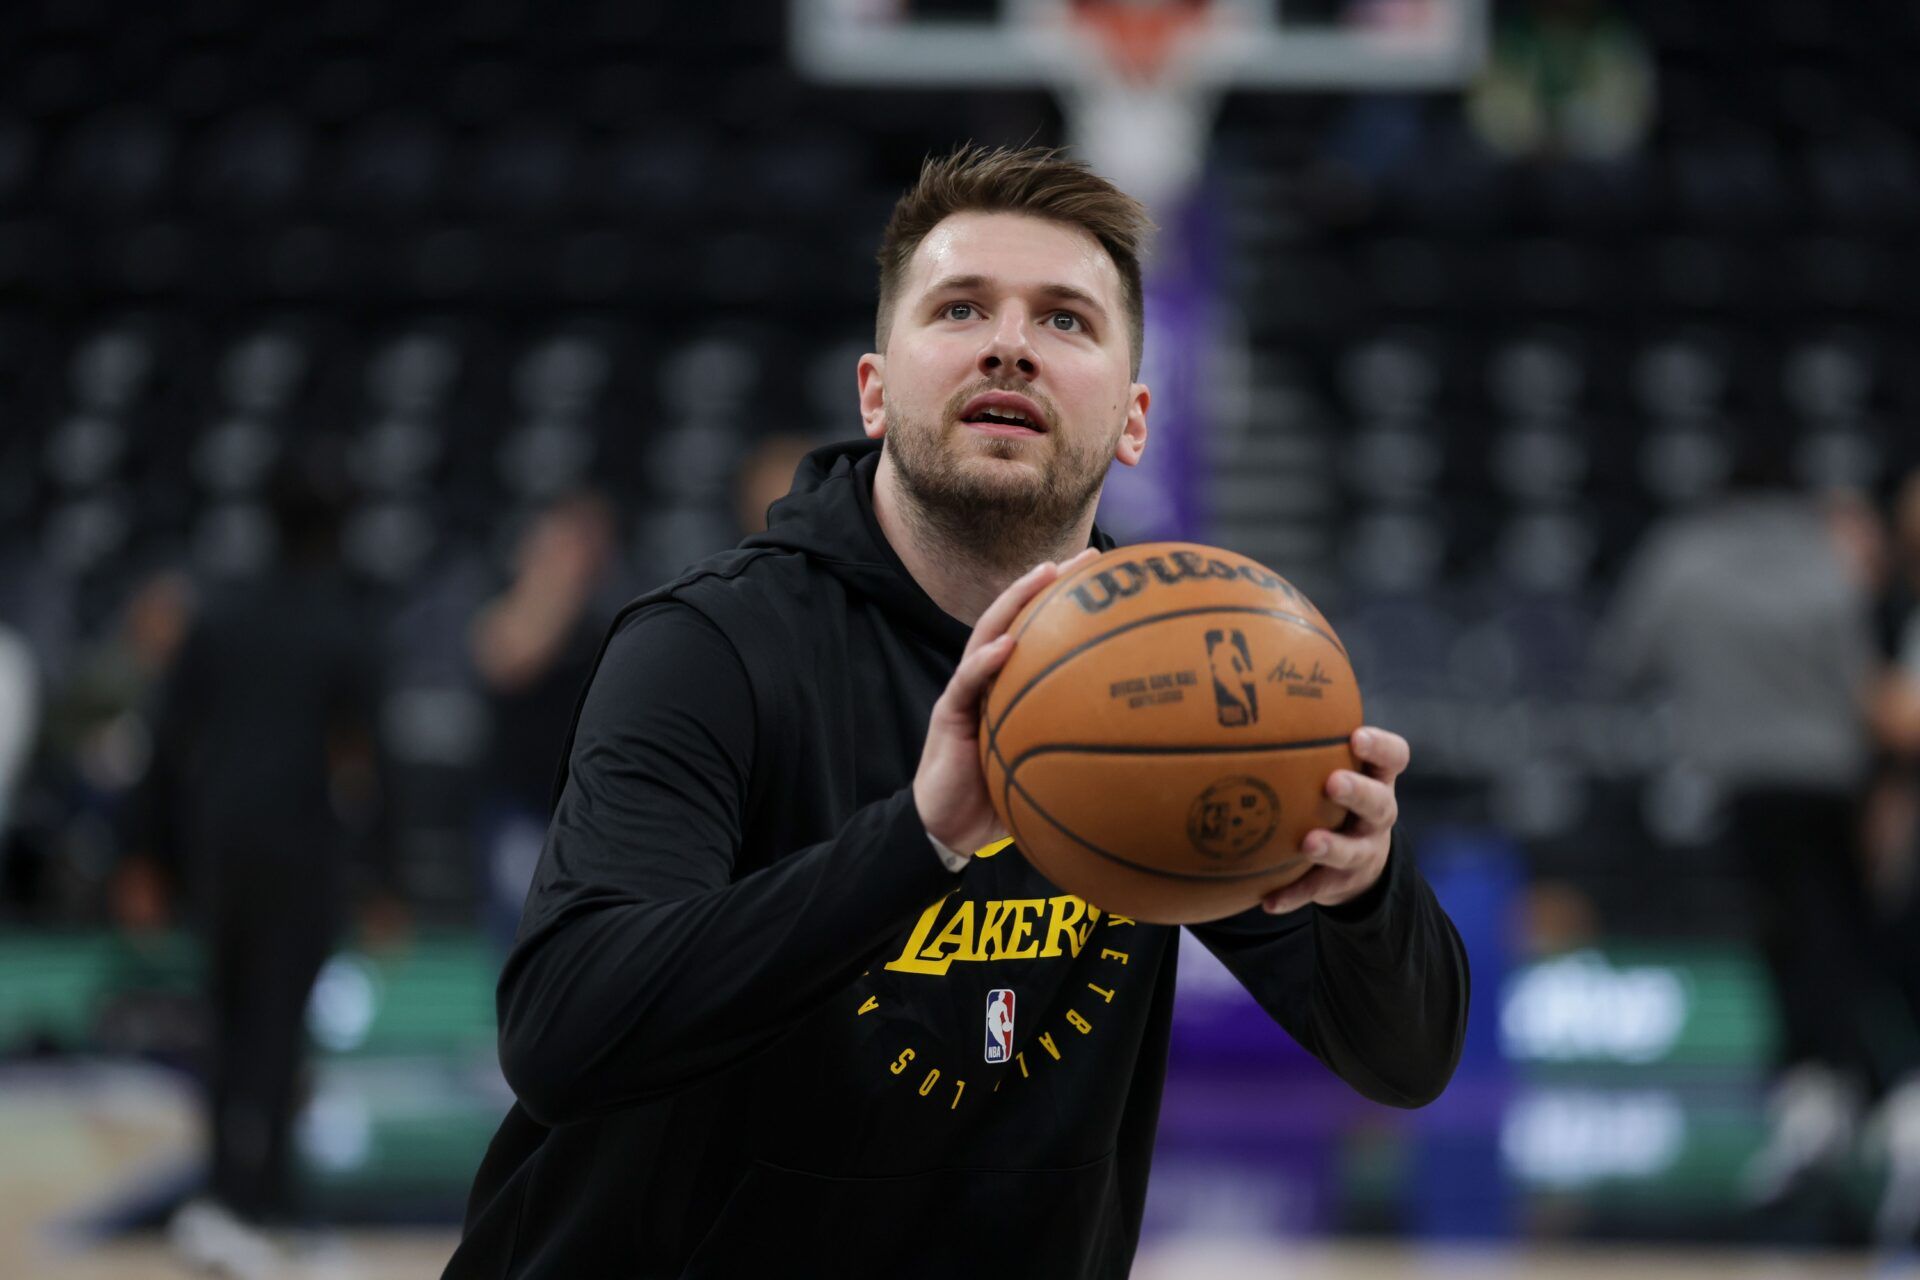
{"type": "Point", "coordinates": [952, 859]}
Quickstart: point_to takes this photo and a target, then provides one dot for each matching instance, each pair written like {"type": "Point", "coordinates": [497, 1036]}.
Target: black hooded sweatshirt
{"type": "Point", "coordinates": [751, 1018]}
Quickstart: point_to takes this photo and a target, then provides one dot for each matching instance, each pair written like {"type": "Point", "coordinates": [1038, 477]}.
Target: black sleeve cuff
{"type": "Point", "coordinates": [1370, 911]}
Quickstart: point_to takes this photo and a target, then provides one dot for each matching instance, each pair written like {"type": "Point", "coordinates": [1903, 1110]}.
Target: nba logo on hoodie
{"type": "Point", "coordinates": [999, 1024]}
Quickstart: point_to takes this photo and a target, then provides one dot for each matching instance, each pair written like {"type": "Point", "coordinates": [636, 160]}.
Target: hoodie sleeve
{"type": "Point", "coordinates": [644, 963]}
{"type": "Point", "coordinates": [1376, 988]}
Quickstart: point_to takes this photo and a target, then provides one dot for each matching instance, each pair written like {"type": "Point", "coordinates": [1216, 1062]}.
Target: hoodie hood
{"type": "Point", "coordinates": [828, 517]}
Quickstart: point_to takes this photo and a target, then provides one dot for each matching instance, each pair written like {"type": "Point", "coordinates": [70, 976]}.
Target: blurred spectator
{"type": "Point", "coordinates": [534, 646]}
{"type": "Point", "coordinates": [765, 477]}
{"type": "Point", "coordinates": [1566, 79]}
{"type": "Point", "coordinates": [1906, 586]}
{"type": "Point", "coordinates": [1747, 615]}
{"type": "Point", "coordinates": [19, 717]}
{"type": "Point", "coordinates": [1896, 713]}
{"type": "Point", "coordinates": [264, 736]}
{"type": "Point", "coordinates": [97, 744]}
{"type": "Point", "coordinates": [1896, 845]}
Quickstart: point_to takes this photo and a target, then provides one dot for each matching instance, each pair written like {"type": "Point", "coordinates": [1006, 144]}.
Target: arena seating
{"type": "Point", "coordinates": [500, 255]}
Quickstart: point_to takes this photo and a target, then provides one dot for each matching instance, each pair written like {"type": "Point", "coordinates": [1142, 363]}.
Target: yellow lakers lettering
{"type": "Point", "coordinates": [1013, 929]}
{"type": "Point", "coordinates": [997, 929]}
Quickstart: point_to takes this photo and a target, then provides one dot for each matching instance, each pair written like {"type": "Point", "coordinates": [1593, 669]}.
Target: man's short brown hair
{"type": "Point", "coordinates": [1037, 181]}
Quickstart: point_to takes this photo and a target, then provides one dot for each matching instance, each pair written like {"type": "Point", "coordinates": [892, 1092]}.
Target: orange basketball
{"type": "Point", "coordinates": [1159, 740]}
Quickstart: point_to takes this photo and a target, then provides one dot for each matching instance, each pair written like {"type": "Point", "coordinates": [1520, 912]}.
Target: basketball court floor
{"type": "Point", "coordinates": [409, 1256]}
{"type": "Point", "coordinates": [54, 1167]}
{"type": "Point", "coordinates": [67, 1154]}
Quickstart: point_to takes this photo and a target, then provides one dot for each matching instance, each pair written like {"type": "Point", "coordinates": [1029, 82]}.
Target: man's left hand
{"type": "Point", "coordinates": [1348, 861]}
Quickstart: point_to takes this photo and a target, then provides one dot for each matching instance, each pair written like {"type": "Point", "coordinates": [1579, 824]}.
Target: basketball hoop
{"type": "Point", "coordinates": [1133, 83]}
{"type": "Point", "coordinates": [1139, 79]}
{"type": "Point", "coordinates": [1139, 35]}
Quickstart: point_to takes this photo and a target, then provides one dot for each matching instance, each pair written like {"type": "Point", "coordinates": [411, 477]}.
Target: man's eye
{"type": "Point", "coordinates": [1072, 321]}
{"type": "Point", "coordinates": [951, 307]}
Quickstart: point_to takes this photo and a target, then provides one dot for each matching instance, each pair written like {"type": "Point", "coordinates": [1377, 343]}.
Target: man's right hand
{"type": "Point", "coordinates": [950, 790]}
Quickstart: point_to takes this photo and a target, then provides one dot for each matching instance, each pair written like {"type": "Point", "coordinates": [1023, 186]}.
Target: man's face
{"type": "Point", "coordinates": [1002, 317]}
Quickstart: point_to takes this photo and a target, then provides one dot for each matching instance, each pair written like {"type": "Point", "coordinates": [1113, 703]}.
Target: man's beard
{"type": "Point", "coordinates": [1001, 522]}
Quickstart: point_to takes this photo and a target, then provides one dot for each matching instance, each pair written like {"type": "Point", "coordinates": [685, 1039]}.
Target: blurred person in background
{"type": "Point", "coordinates": [533, 647]}
{"type": "Point", "coordinates": [98, 741]}
{"type": "Point", "coordinates": [1567, 79]}
{"type": "Point", "coordinates": [1902, 709]}
{"type": "Point", "coordinates": [1896, 862]}
{"type": "Point", "coordinates": [1750, 616]}
{"type": "Point", "coordinates": [765, 476]}
{"type": "Point", "coordinates": [263, 775]}
{"type": "Point", "coordinates": [19, 724]}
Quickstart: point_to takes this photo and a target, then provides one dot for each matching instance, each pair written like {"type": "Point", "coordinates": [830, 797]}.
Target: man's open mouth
{"type": "Point", "coordinates": [1004, 413]}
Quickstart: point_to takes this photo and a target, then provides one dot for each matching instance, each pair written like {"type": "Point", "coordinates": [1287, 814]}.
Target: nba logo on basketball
{"type": "Point", "coordinates": [999, 1025]}
{"type": "Point", "coordinates": [1235, 693]}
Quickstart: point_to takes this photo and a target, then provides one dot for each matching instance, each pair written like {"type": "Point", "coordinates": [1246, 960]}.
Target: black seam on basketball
{"type": "Point", "coordinates": [993, 730]}
{"type": "Point", "coordinates": [1101, 749]}
{"type": "Point", "coordinates": [1129, 863]}
{"type": "Point", "coordinates": [1013, 829]}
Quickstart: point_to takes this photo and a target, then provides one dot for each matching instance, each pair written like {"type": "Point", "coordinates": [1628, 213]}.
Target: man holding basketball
{"type": "Point", "coordinates": [776, 917]}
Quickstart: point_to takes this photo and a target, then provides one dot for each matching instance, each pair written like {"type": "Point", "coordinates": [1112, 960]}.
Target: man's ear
{"type": "Point", "coordinates": [872, 376]}
{"type": "Point", "coordinates": [1133, 436]}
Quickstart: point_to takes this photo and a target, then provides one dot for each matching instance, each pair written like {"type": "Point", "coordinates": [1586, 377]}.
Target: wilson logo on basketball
{"type": "Point", "coordinates": [1131, 577]}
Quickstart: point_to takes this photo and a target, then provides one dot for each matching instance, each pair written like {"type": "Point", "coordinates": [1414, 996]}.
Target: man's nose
{"type": "Point", "coordinates": [1010, 347]}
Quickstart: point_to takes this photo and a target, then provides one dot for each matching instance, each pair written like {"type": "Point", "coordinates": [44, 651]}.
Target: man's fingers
{"type": "Point", "coordinates": [1337, 852]}
{"type": "Point", "coordinates": [1368, 799]}
{"type": "Point", "coordinates": [1000, 613]}
{"type": "Point", "coordinates": [1296, 895]}
{"type": "Point", "coordinates": [1386, 753]}
{"type": "Point", "coordinates": [962, 694]}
